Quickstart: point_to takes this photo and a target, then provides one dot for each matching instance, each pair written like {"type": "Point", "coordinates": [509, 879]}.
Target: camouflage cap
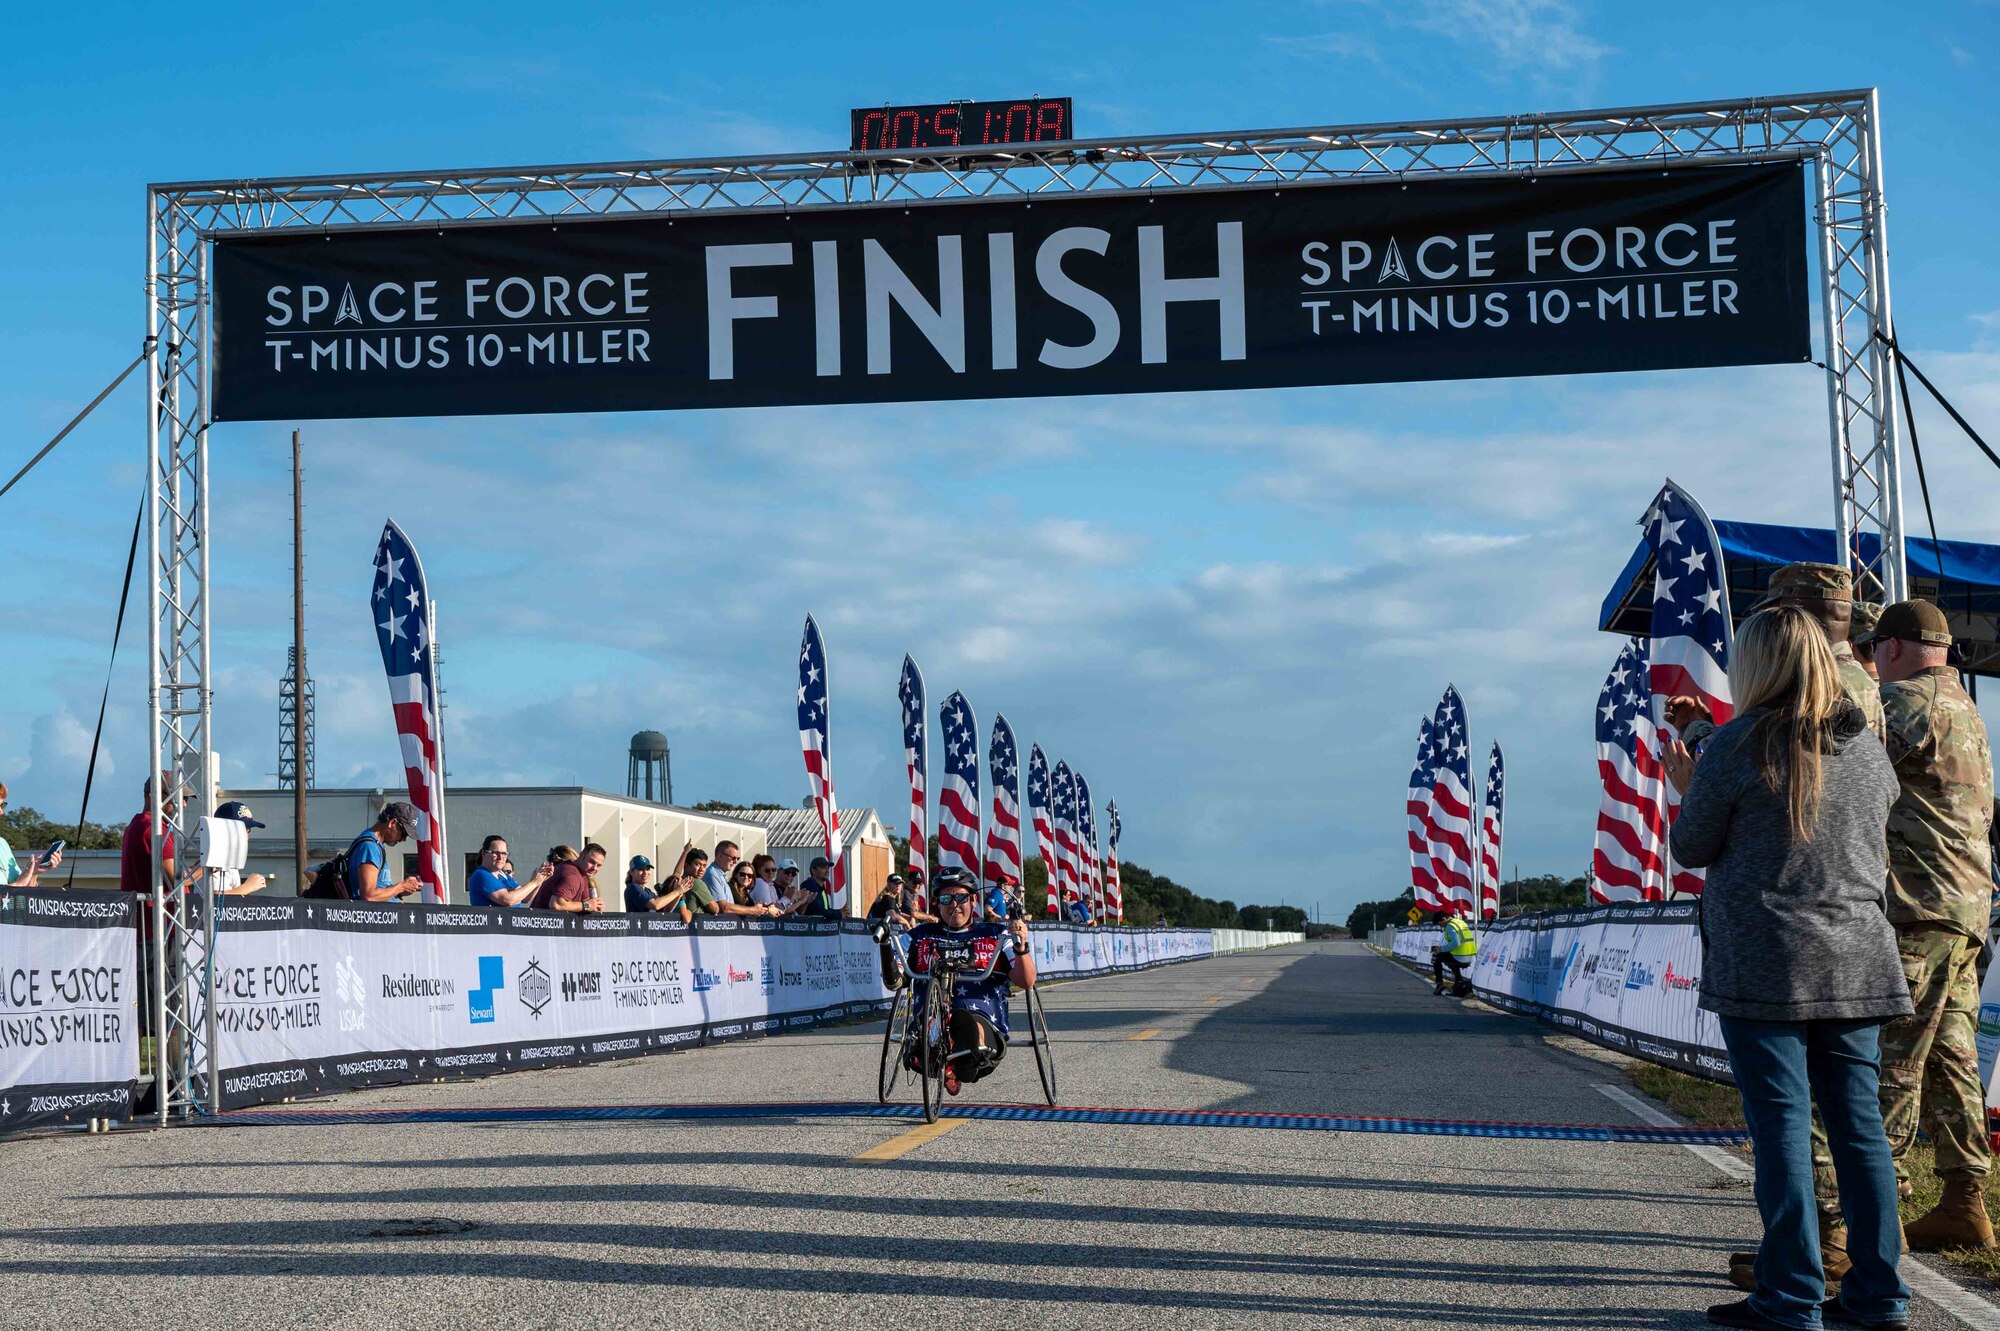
{"type": "Point", "coordinates": [1914, 621]}
{"type": "Point", "coordinates": [1866, 615]}
{"type": "Point", "coordinates": [1819, 582]}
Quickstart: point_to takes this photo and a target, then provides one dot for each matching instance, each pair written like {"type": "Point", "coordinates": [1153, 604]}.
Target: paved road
{"type": "Point", "coordinates": [990, 1224]}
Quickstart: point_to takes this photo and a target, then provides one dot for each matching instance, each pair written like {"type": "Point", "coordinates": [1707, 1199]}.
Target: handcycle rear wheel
{"type": "Point", "coordinates": [893, 1033]}
{"type": "Point", "coordinates": [1038, 1032]}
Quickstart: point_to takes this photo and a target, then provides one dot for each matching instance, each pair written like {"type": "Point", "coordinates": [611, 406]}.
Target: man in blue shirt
{"type": "Point", "coordinates": [368, 860]}
{"type": "Point", "coordinates": [492, 883]}
{"type": "Point", "coordinates": [717, 878]}
{"type": "Point", "coordinates": [997, 897]}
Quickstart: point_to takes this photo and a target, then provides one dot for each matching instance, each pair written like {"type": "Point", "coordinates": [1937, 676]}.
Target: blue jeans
{"type": "Point", "coordinates": [1782, 1069]}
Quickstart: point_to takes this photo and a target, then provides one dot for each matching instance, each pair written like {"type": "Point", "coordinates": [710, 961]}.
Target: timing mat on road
{"type": "Point", "coordinates": [1175, 1118]}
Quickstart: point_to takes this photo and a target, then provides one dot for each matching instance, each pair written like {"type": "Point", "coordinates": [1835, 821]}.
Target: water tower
{"type": "Point", "coordinates": [649, 773]}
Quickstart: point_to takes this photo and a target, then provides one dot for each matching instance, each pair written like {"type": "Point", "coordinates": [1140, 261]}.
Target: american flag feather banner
{"type": "Point", "coordinates": [958, 794]}
{"type": "Point", "coordinates": [916, 759]}
{"type": "Point", "coordinates": [1063, 784]}
{"type": "Point", "coordinates": [814, 723]}
{"type": "Point", "coordinates": [1628, 857]}
{"type": "Point", "coordinates": [1086, 848]}
{"type": "Point", "coordinates": [1689, 651]}
{"type": "Point", "coordinates": [1045, 830]}
{"type": "Point", "coordinates": [1688, 654]}
{"type": "Point", "coordinates": [1423, 885]}
{"type": "Point", "coordinates": [1492, 811]}
{"type": "Point", "coordinates": [1003, 834]}
{"type": "Point", "coordinates": [405, 629]}
{"type": "Point", "coordinates": [1451, 805]}
{"type": "Point", "coordinates": [1114, 896]}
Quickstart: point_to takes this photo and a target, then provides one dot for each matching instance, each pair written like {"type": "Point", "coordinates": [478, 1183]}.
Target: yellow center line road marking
{"type": "Point", "coordinates": [1249, 980]}
{"type": "Point", "coordinates": [1146, 1034]}
{"type": "Point", "coordinates": [907, 1142]}
{"type": "Point", "coordinates": [1213, 998]}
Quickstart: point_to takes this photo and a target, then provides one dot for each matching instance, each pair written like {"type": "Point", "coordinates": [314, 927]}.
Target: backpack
{"type": "Point", "coordinates": [330, 879]}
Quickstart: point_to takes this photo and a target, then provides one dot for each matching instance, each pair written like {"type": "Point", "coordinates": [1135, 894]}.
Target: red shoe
{"type": "Point", "coordinates": [950, 1080]}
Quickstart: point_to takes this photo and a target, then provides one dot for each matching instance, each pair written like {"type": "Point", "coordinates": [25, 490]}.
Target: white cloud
{"type": "Point", "coordinates": [1532, 35]}
{"type": "Point", "coordinates": [1082, 541]}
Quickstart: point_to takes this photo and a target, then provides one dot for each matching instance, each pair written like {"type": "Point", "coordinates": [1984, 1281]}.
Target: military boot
{"type": "Point", "coordinates": [1833, 1258]}
{"type": "Point", "coordinates": [1957, 1221]}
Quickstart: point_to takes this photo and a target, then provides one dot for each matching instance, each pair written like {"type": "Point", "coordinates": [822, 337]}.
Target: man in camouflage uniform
{"type": "Point", "coordinates": [1826, 592]}
{"type": "Point", "coordinates": [1861, 637]}
{"type": "Point", "coordinates": [1940, 885]}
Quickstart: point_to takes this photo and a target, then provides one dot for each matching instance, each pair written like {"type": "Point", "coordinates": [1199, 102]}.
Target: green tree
{"type": "Point", "coordinates": [26, 829]}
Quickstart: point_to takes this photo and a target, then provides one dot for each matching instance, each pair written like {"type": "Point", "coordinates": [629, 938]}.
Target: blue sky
{"type": "Point", "coordinates": [1228, 610]}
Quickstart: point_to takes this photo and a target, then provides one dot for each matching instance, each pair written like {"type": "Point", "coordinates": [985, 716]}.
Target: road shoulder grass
{"type": "Point", "coordinates": [1712, 1105]}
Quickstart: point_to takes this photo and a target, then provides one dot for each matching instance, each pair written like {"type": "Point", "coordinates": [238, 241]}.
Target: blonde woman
{"type": "Point", "coordinates": [1787, 811]}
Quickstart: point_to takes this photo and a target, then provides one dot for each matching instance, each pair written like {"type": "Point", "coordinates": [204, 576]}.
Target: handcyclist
{"type": "Point", "coordinates": [1457, 945]}
{"type": "Point", "coordinates": [978, 1035]}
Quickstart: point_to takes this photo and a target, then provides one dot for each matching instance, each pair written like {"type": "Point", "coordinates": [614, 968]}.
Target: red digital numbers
{"type": "Point", "coordinates": [961, 124]}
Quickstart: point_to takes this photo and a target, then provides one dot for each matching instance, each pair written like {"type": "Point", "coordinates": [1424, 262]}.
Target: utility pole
{"type": "Point", "coordinates": [300, 767]}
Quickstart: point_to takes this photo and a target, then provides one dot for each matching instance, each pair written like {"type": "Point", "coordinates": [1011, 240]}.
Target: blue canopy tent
{"type": "Point", "coordinates": [1966, 586]}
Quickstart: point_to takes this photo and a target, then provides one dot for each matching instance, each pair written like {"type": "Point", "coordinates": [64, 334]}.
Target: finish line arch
{"type": "Point", "coordinates": [1104, 182]}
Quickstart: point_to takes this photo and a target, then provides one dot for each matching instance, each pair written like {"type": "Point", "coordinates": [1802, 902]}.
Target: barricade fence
{"type": "Point", "coordinates": [1627, 977]}
{"type": "Point", "coordinates": [317, 997]}
{"type": "Point", "coordinates": [69, 1007]}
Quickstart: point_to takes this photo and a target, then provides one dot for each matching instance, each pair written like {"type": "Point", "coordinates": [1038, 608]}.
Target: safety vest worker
{"type": "Point", "coordinates": [1456, 947]}
{"type": "Point", "coordinates": [1459, 939]}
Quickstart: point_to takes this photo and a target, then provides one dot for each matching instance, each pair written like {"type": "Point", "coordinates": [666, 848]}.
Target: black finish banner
{"type": "Point", "coordinates": [1240, 288]}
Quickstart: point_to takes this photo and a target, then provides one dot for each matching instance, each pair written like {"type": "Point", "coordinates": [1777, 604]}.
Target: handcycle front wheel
{"type": "Point", "coordinates": [934, 1041]}
{"type": "Point", "coordinates": [1038, 1034]}
{"type": "Point", "coordinates": [893, 1033]}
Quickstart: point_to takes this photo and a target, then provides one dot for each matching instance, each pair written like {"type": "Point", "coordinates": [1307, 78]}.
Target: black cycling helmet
{"type": "Point", "coordinates": [953, 878]}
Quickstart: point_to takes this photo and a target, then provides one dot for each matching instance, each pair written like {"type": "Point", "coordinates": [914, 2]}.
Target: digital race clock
{"type": "Point", "coordinates": [961, 124]}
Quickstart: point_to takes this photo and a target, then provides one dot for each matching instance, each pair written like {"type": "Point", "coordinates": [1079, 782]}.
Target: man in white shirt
{"type": "Point", "coordinates": [233, 882]}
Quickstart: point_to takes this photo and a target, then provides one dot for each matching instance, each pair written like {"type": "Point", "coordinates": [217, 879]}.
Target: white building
{"type": "Point", "coordinates": [795, 834]}
{"type": "Point", "coordinates": [534, 819]}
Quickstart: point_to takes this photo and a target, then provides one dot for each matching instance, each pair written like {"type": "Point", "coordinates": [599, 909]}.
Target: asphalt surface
{"type": "Point", "coordinates": [990, 1224]}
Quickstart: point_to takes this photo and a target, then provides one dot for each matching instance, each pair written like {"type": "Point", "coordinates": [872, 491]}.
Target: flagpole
{"type": "Point", "coordinates": [437, 805]}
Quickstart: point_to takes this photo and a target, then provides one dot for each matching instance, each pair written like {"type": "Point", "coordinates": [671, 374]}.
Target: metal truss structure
{"type": "Point", "coordinates": [1838, 133]}
{"type": "Point", "coordinates": [296, 733]}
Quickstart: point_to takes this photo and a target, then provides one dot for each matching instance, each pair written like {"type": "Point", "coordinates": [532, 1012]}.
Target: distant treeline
{"type": "Point", "coordinates": [1546, 892]}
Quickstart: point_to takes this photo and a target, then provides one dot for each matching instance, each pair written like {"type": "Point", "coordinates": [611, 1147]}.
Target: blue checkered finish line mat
{"type": "Point", "coordinates": [1174, 1118]}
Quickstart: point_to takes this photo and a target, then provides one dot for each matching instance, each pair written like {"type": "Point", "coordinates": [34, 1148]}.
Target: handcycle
{"type": "Point", "coordinates": [928, 1029]}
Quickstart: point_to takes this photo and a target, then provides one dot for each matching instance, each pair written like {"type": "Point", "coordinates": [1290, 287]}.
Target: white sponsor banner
{"type": "Point", "coordinates": [69, 1007]}
{"type": "Point", "coordinates": [318, 996]}
{"type": "Point", "coordinates": [1628, 977]}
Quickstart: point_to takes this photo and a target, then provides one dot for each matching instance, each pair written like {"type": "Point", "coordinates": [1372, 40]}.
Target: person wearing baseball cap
{"type": "Point", "coordinates": [1826, 592]}
{"type": "Point", "coordinates": [368, 858]}
{"type": "Point", "coordinates": [1862, 636]}
{"type": "Point", "coordinates": [1940, 887]}
{"type": "Point", "coordinates": [234, 882]}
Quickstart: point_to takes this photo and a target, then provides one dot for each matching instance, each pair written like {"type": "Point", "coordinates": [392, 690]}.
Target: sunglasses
{"type": "Point", "coordinates": [954, 898]}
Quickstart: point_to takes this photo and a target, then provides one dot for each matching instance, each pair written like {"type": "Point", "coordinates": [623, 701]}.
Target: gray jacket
{"type": "Point", "coordinates": [1794, 932]}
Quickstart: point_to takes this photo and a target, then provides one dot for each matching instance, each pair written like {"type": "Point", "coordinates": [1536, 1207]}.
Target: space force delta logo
{"type": "Point", "coordinates": [534, 987]}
